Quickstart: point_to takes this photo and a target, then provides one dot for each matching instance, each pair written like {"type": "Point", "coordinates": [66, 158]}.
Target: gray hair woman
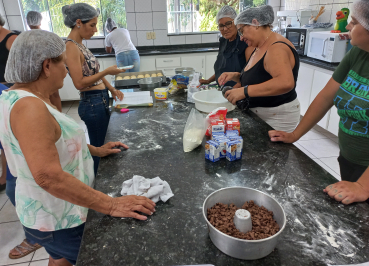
{"type": "Point", "coordinates": [348, 91]}
{"type": "Point", "coordinates": [84, 69]}
{"type": "Point", "coordinates": [269, 79]}
{"type": "Point", "coordinates": [34, 19]}
{"type": "Point", "coordinates": [48, 153]}
{"type": "Point", "coordinates": [231, 55]}
{"type": "Point", "coordinates": [125, 52]}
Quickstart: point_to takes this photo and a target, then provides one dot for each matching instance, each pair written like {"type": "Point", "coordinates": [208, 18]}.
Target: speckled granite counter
{"type": "Point", "coordinates": [319, 230]}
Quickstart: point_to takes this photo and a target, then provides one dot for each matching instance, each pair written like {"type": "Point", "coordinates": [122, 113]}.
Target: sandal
{"type": "Point", "coordinates": [27, 249]}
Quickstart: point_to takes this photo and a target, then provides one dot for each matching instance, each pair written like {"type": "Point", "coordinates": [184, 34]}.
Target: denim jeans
{"type": "Point", "coordinates": [128, 58]}
{"type": "Point", "coordinates": [93, 109]}
{"type": "Point", "coordinates": [10, 192]}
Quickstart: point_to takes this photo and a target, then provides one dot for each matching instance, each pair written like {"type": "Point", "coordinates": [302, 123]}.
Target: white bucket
{"type": "Point", "coordinates": [208, 100]}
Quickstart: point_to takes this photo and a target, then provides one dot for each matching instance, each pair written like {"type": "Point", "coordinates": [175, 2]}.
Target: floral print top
{"type": "Point", "coordinates": [91, 66]}
{"type": "Point", "coordinates": [36, 208]}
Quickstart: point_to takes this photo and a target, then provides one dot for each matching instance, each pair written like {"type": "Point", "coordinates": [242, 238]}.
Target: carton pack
{"type": "Point", "coordinates": [222, 146]}
{"type": "Point", "coordinates": [234, 150]}
{"type": "Point", "coordinates": [233, 124]}
{"type": "Point", "coordinates": [212, 151]}
{"type": "Point", "coordinates": [217, 126]}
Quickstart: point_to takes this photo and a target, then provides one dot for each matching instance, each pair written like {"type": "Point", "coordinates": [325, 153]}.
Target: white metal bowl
{"type": "Point", "coordinates": [208, 100]}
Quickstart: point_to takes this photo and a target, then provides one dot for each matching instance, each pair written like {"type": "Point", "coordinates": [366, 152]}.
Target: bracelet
{"type": "Point", "coordinates": [246, 92]}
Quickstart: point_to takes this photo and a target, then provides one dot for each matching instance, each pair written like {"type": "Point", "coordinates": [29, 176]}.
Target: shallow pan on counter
{"type": "Point", "coordinates": [134, 82]}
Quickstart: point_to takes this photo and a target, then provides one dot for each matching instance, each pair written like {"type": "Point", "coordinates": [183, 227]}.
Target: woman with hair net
{"type": "Point", "coordinates": [84, 69]}
{"type": "Point", "coordinates": [231, 55]}
{"type": "Point", "coordinates": [126, 53]}
{"type": "Point", "coordinates": [50, 158]}
{"type": "Point", "coordinates": [34, 19]}
{"type": "Point", "coordinates": [347, 90]}
{"type": "Point", "coordinates": [269, 78]}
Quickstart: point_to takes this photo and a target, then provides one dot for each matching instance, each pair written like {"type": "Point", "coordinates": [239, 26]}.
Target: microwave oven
{"type": "Point", "coordinates": [299, 37]}
{"type": "Point", "coordinates": [326, 46]}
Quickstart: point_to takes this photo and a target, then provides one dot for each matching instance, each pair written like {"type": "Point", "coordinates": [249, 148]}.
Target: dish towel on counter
{"type": "Point", "coordinates": [154, 189]}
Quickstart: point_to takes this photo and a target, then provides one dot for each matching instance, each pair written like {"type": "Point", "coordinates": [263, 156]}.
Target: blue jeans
{"type": "Point", "coordinates": [93, 109]}
{"type": "Point", "coordinates": [59, 244]}
{"type": "Point", "coordinates": [128, 58]}
{"type": "Point", "coordinates": [10, 192]}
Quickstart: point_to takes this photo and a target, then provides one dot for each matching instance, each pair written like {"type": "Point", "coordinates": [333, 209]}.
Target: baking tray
{"type": "Point", "coordinates": [133, 82]}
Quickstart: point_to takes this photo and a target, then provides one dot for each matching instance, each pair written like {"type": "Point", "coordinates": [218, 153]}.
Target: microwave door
{"type": "Point", "coordinates": [294, 38]}
{"type": "Point", "coordinates": [317, 46]}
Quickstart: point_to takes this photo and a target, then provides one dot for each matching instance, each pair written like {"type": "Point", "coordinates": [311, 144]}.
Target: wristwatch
{"type": "Point", "coordinates": [246, 91]}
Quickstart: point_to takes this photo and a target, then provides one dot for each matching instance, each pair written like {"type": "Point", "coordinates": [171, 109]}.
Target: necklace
{"type": "Point", "coordinates": [258, 48]}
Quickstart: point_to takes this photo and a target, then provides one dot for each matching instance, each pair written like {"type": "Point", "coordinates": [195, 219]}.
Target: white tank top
{"type": "Point", "coordinates": [36, 208]}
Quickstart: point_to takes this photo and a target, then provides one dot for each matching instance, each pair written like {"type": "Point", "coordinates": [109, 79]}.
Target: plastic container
{"type": "Point", "coordinates": [161, 94]}
{"type": "Point", "coordinates": [207, 101]}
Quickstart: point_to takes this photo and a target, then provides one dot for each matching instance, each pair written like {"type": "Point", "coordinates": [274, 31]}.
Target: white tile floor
{"type": "Point", "coordinates": [318, 144]}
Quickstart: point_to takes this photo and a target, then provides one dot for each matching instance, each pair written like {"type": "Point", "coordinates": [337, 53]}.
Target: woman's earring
{"type": "Point", "coordinates": [78, 26]}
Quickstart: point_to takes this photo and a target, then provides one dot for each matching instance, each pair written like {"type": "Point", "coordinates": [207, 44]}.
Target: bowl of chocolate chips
{"type": "Point", "coordinates": [244, 223]}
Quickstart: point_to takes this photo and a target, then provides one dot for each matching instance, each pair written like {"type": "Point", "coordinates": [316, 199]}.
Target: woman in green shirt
{"type": "Point", "coordinates": [348, 90]}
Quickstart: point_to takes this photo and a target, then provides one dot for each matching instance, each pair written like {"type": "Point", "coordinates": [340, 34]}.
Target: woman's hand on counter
{"type": "Point", "coordinates": [117, 95]}
{"type": "Point", "coordinates": [204, 81]}
{"type": "Point", "coordinates": [127, 206]}
{"type": "Point", "coordinates": [227, 76]}
{"type": "Point", "coordinates": [235, 95]}
{"type": "Point", "coordinates": [276, 135]}
{"type": "Point", "coordinates": [113, 70]}
{"type": "Point", "coordinates": [107, 149]}
{"type": "Point", "coordinates": [347, 192]}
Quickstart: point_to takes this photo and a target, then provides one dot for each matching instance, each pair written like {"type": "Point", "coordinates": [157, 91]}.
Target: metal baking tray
{"type": "Point", "coordinates": [133, 82]}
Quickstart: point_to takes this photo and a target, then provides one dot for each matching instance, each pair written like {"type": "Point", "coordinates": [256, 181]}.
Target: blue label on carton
{"type": "Point", "coordinates": [234, 150]}
{"type": "Point", "coordinates": [222, 146]}
{"type": "Point", "coordinates": [232, 133]}
{"type": "Point", "coordinates": [212, 152]}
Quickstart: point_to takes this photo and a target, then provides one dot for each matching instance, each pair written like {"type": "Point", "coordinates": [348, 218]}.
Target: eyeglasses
{"type": "Point", "coordinates": [228, 24]}
{"type": "Point", "coordinates": [240, 30]}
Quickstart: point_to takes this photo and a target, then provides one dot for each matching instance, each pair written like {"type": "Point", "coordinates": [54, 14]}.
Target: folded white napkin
{"type": "Point", "coordinates": [154, 189]}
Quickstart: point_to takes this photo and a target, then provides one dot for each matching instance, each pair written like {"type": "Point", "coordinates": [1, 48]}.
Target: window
{"type": "Point", "coordinates": [53, 18]}
{"type": "Point", "coordinates": [189, 16]}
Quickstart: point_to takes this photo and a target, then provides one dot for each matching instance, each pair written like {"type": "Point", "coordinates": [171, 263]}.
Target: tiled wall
{"type": "Point", "coordinates": [331, 7]}
{"type": "Point", "coordinates": [142, 16]}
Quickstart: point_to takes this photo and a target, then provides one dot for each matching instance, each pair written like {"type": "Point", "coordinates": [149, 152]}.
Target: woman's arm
{"type": "Point", "coordinates": [116, 94]}
{"type": "Point", "coordinates": [350, 192]}
{"type": "Point", "coordinates": [318, 108]}
{"type": "Point", "coordinates": [207, 81]}
{"type": "Point", "coordinates": [108, 49]}
{"type": "Point", "coordinates": [37, 142]}
{"type": "Point", "coordinates": [106, 149]}
{"type": "Point", "coordinates": [74, 64]}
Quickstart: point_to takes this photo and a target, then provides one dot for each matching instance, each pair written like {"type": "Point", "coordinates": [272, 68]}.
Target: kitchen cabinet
{"type": "Point", "coordinates": [320, 80]}
{"type": "Point", "coordinates": [210, 59]}
{"type": "Point", "coordinates": [147, 63]}
{"type": "Point", "coordinates": [194, 61]}
{"type": "Point", "coordinates": [303, 86]}
{"type": "Point", "coordinates": [106, 62]}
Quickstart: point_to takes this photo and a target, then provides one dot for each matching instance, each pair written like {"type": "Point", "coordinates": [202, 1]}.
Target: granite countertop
{"type": "Point", "coordinates": [319, 230]}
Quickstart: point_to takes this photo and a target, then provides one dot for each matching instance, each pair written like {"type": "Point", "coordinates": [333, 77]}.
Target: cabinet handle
{"type": "Point", "coordinates": [202, 61]}
{"type": "Point", "coordinates": [166, 61]}
{"type": "Point", "coordinates": [168, 69]}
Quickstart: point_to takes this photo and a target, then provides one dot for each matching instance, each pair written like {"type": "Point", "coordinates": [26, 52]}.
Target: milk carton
{"type": "Point", "coordinates": [240, 139]}
{"type": "Point", "coordinates": [233, 124]}
{"type": "Point", "coordinates": [222, 146]}
{"type": "Point", "coordinates": [217, 126]}
{"type": "Point", "coordinates": [212, 151]}
{"type": "Point", "coordinates": [217, 134]}
{"type": "Point", "coordinates": [230, 133]}
{"type": "Point", "coordinates": [234, 150]}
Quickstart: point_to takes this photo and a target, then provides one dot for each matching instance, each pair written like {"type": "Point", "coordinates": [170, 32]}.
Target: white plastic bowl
{"type": "Point", "coordinates": [208, 100]}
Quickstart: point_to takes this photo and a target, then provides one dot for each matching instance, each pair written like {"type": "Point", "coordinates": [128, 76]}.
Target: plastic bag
{"type": "Point", "coordinates": [194, 130]}
{"type": "Point", "coordinates": [193, 87]}
{"type": "Point", "coordinates": [173, 88]}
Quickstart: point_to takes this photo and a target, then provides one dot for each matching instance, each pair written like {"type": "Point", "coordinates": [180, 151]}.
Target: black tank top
{"type": "Point", "coordinates": [257, 74]}
{"type": "Point", "coordinates": [4, 53]}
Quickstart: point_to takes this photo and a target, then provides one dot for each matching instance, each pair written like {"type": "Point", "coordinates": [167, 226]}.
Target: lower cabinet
{"type": "Point", "coordinates": [68, 92]}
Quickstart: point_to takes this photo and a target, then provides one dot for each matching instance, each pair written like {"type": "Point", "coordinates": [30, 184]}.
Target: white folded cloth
{"type": "Point", "coordinates": [154, 189]}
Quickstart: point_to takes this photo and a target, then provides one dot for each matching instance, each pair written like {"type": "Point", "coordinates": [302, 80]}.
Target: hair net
{"type": "Point", "coordinates": [2, 21]}
{"type": "Point", "coordinates": [226, 12]}
{"type": "Point", "coordinates": [34, 18]}
{"type": "Point", "coordinates": [110, 24]}
{"type": "Point", "coordinates": [263, 14]}
{"type": "Point", "coordinates": [29, 50]}
{"type": "Point", "coordinates": [81, 11]}
{"type": "Point", "coordinates": [360, 12]}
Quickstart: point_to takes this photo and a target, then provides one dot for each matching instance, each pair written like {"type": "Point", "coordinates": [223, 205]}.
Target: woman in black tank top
{"type": "Point", "coordinates": [269, 78]}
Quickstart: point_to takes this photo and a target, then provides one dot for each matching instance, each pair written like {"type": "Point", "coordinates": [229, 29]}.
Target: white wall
{"type": "Point", "coordinates": [142, 16]}
{"type": "Point", "coordinates": [331, 6]}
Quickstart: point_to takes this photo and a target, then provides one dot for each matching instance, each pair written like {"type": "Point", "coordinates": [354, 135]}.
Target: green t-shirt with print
{"type": "Point", "coordinates": [352, 102]}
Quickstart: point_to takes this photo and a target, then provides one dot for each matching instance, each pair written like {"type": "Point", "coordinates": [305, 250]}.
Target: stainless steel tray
{"type": "Point", "coordinates": [133, 82]}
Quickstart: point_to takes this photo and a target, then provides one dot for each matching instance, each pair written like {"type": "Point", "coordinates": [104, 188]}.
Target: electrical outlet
{"type": "Point", "coordinates": [153, 35]}
{"type": "Point", "coordinates": [148, 35]}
